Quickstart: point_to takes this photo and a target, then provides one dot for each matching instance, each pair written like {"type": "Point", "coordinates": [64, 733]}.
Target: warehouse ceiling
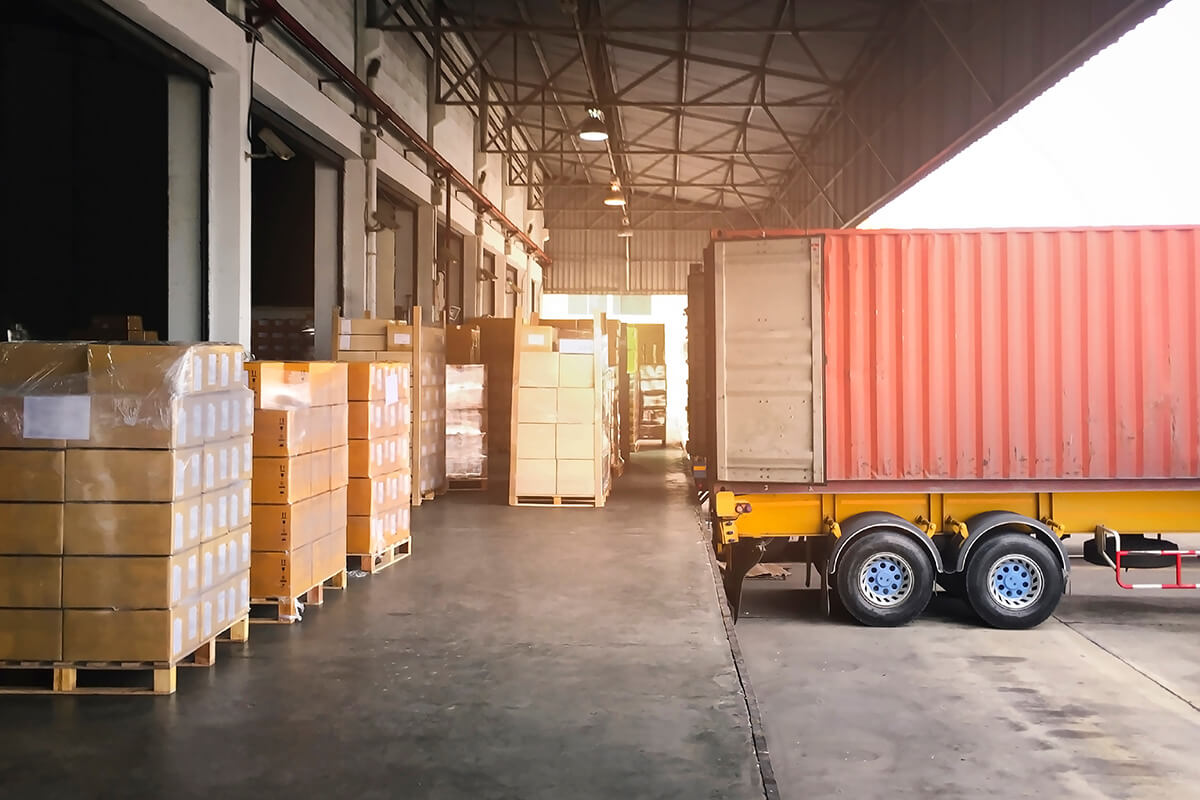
{"type": "Point", "coordinates": [801, 113]}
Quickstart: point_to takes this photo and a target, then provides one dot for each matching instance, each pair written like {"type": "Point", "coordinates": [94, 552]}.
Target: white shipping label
{"type": "Point", "coordinates": [246, 501]}
{"type": "Point", "coordinates": [379, 460]}
{"type": "Point", "coordinates": [223, 471]}
{"type": "Point", "coordinates": [194, 525]}
{"type": "Point", "coordinates": [209, 519]}
{"type": "Point", "coordinates": [194, 624]}
{"type": "Point", "coordinates": [181, 432]}
{"type": "Point", "coordinates": [210, 470]}
{"type": "Point", "coordinates": [247, 458]}
{"type": "Point", "coordinates": [224, 369]}
{"type": "Point", "coordinates": [377, 418]}
{"type": "Point", "coordinates": [197, 373]}
{"type": "Point", "coordinates": [391, 389]}
{"type": "Point", "coordinates": [225, 421]}
{"type": "Point", "coordinates": [538, 339]}
{"type": "Point", "coordinates": [235, 519]}
{"type": "Point", "coordinates": [206, 573]}
{"type": "Point", "coordinates": [344, 342]}
{"type": "Point", "coordinates": [177, 637]}
{"type": "Point", "coordinates": [212, 369]}
{"type": "Point", "coordinates": [235, 463]}
{"type": "Point", "coordinates": [244, 553]}
{"type": "Point", "coordinates": [223, 512]}
{"type": "Point", "coordinates": [223, 560]}
{"type": "Point", "coordinates": [57, 417]}
{"type": "Point", "coordinates": [177, 532]}
{"type": "Point", "coordinates": [210, 420]}
{"type": "Point", "coordinates": [239, 368]}
{"type": "Point", "coordinates": [176, 584]}
{"type": "Point", "coordinates": [193, 573]}
{"type": "Point", "coordinates": [346, 327]}
{"type": "Point", "coordinates": [207, 621]}
{"type": "Point", "coordinates": [243, 598]}
{"type": "Point", "coordinates": [197, 426]}
{"type": "Point", "coordinates": [222, 609]}
{"type": "Point", "coordinates": [401, 338]}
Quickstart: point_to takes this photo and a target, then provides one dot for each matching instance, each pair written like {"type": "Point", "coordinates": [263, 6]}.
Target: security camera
{"type": "Point", "coordinates": [275, 145]}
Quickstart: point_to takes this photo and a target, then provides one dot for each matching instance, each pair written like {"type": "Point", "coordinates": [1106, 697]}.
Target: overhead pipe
{"type": "Point", "coordinates": [273, 11]}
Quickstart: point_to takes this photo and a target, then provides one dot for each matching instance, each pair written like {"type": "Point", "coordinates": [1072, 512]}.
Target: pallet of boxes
{"type": "Point", "coordinates": [423, 348]}
{"type": "Point", "coordinates": [559, 455]}
{"type": "Point", "coordinates": [466, 426]}
{"type": "Point", "coordinates": [124, 513]}
{"type": "Point", "coordinates": [301, 480]}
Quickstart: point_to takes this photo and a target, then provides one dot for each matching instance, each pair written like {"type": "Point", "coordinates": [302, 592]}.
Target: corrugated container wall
{"type": "Point", "coordinates": [1013, 354]}
{"type": "Point", "coordinates": [594, 261]}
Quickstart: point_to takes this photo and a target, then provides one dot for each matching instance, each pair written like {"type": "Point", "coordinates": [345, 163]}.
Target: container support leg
{"type": "Point", "coordinates": [740, 558]}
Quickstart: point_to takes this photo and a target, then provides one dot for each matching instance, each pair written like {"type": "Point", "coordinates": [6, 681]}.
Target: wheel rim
{"type": "Point", "coordinates": [1015, 582]}
{"type": "Point", "coordinates": [886, 580]}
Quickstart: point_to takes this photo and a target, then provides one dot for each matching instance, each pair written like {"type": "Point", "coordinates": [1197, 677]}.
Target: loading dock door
{"type": "Point", "coordinates": [769, 361]}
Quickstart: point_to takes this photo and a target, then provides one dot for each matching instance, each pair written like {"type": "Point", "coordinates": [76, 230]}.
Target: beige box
{"type": "Point", "coordinates": [353, 357]}
{"type": "Point", "coordinates": [281, 575]}
{"type": "Point", "coordinates": [362, 327]}
{"type": "Point", "coordinates": [320, 427]}
{"type": "Point", "coordinates": [339, 467]}
{"type": "Point", "coordinates": [279, 432]}
{"type": "Point", "coordinates": [535, 440]}
{"type": "Point", "coordinates": [282, 480]}
{"type": "Point", "coordinates": [537, 405]}
{"type": "Point", "coordinates": [327, 380]}
{"type": "Point", "coordinates": [30, 634]}
{"type": "Point", "coordinates": [218, 466]}
{"type": "Point", "coordinates": [132, 529]}
{"type": "Point", "coordinates": [30, 582]}
{"type": "Point", "coordinates": [160, 636]}
{"type": "Point", "coordinates": [133, 476]}
{"type": "Point", "coordinates": [275, 386]}
{"type": "Point", "coordinates": [538, 369]}
{"type": "Point", "coordinates": [131, 582]}
{"type": "Point", "coordinates": [32, 476]}
{"type": "Point", "coordinates": [31, 529]}
{"type": "Point", "coordinates": [536, 476]}
{"type": "Point", "coordinates": [240, 505]}
{"type": "Point", "coordinates": [577, 406]}
{"type": "Point", "coordinates": [223, 558]}
{"type": "Point", "coordinates": [576, 478]}
{"type": "Point", "coordinates": [536, 337]}
{"type": "Point", "coordinates": [321, 477]}
{"type": "Point", "coordinates": [339, 508]}
{"type": "Point", "coordinates": [370, 420]}
{"type": "Point", "coordinates": [160, 421]}
{"type": "Point", "coordinates": [362, 343]}
{"type": "Point", "coordinates": [399, 337]}
{"type": "Point", "coordinates": [280, 528]}
{"type": "Point", "coordinates": [576, 371]}
{"type": "Point", "coordinates": [329, 555]}
{"type": "Point", "coordinates": [339, 422]}
{"type": "Point", "coordinates": [575, 441]}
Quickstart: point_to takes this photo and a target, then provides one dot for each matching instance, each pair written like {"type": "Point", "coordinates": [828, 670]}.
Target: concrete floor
{"type": "Point", "coordinates": [1101, 701]}
{"type": "Point", "coordinates": [520, 653]}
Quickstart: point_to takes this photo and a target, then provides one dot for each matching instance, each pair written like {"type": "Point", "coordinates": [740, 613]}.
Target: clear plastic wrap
{"type": "Point", "coordinates": [466, 415]}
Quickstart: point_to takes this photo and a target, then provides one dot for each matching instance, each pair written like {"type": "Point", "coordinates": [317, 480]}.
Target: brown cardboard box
{"type": "Point", "coordinates": [327, 378]}
{"type": "Point", "coordinates": [279, 432]}
{"type": "Point", "coordinates": [131, 529]}
{"type": "Point", "coordinates": [321, 427]}
{"type": "Point", "coordinates": [339, 509]}
{"type": "Point", "coordinates": [320, 480]}
{"type": "Point", "coordinates": [537, 405]}
{"type": "Point", "coordinates": [367, 496]}
{"type": "Point", "coordinates": [399, 337]}
{"type": "Point", "coordinates": [575, 441]}
{"type": "Point", "coordinates": [30, 634]}
{"type": "Point", "coordinates": [216, 514]}
{"type": "Point", "coordinates": [282, 480]}
{"type": "Point", "coordinates": [362, 342]}
{"type": "Point", "coordinates": [147, 369]}
{"type": "Point", "coordinates": [403, 524]}
{"type": "Point", "coordinates": [536, 477]}
{"type": "Point", "coordinates": [31, 476]}
{"type": "Point", "coordinates": [240, 505]}
{"type": "Point", "coordinates": [373, 420]}
{"type": "Point", "coordinates": [43, 368]}
{"type": "Point", "coordinates": [281, 575]}
{"type": "Point", "coordinates": [57, 416]}
{"type": "Point", "coordinates": [536, 440]}
{"type": "Point", "coordinates": [154, 421]}
{"type": "Point", "coordinates": [240, 546]}
{"type": "Point", "coordinates": [329, 555]}
{"type": "Point", "coordinates": [540, 369]}
{"type": "Point", "coordinates": [31, 529]}
{"type": "Point", "coordinates": [131, 582]}
{"type": "Point", "coordinates": [371, 457]}
{"type": "Point", "coordinates": [30, 582]}
{"type": "Point", "coordinates": [224, 366]}
{"type": "Point", "coordinates": [339, 419]}
{"type": "Point", "coordinates": [339, 467]}
{"type": "Point", "coordinates": [368, 381]}
{"type": "Point", "coordinates": [576, 371]}
{"type": "Point", "coordinates": [218, 466]}
{"type": "Point", "coordinates": [536, 337]}
{"type": "Point", "coordinates": [161, 636]}
{"type": "Point", "coordinates": [365, 535]}
{"type": "Point", "coordinates": [353, 357]}
{"type": "Point", "coordinates": [222, 559]}
{"type": "Point", "coordinates": [279, 528]}
{"type": "Point", "coordinates": [275, 387]}
{"type": "Point", "coordinates": [362, 327]}
{"type": "Point", "coordinates": [133, 476]}
{"type": "Point", "coordinates": [576, 478]}
{"type": "Point", "coordinates": [242, 459]}
{"type": "Point", "coordinates": [321, 519]}
{"type": "Point", "coordinates": [577, 405]}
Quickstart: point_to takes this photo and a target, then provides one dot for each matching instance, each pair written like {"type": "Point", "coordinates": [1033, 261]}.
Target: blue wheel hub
{"type": "Point", "coordinates": [1015, 581]}
{"type": "Point", "coordinates": [885, 580]}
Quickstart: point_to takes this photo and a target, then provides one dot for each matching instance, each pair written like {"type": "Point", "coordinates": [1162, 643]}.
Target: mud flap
{"type": "Point", "coordinates": [740, 557]}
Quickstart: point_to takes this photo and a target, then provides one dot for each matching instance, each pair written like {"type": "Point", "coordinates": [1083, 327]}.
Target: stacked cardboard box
{"type": "Point", "coordinates": [301, 476]}
{"type": "Point", "coordinates": [380, 471]}
{"type": "Point", "coordinates": [466, 422]}
{"type": "Point", "coordinates": [127, 328]}
{"type": "Point", "coordinates": [431, 410]}
{"type": "Point", "coordinates": [558, 421]}
{"type": "Point", "coordinates": [282, 334]}
{"type": "Point", "coordinates": [124, 499]}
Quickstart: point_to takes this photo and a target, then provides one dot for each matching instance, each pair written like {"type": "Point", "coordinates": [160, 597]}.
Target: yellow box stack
{"type": "Point", "coordinates": [379, 531]}
{"type": "Point", "coordinates": [301, 481]}
{"type": "Point", "coordinates": [124, 500]}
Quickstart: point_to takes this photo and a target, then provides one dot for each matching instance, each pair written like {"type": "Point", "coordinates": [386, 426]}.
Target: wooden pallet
{"type": "Point", "coordinates": [559, 501]}
{"type": "Point", "coordinates": [468, 484]}
{"type": "Point", "coordinates": [111, 677]}
{"type": "Point", "coordinates": [287, 610]}
{"type": "Point", "coordinates": [383, 559]}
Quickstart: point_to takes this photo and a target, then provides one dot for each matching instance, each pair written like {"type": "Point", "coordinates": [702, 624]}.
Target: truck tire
{"type": "Point", "coordinates": [1091, 553]}
{"type": "Point", "coordinates": [1013, 581]}
{"type": "Point", "coordinates": [885, 579]}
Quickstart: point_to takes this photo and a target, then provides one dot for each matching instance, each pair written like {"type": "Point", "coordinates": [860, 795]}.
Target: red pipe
{"type": "Point", "coordinates": [274, 11]}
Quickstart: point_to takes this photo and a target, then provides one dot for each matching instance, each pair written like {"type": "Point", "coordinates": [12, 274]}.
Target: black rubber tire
{"type": "Point", "coordinates": [1091, 553]}
{"type": "Point", "coordinates": [851, 563]}
{"type": "Point", "coordinates": [996, 548]}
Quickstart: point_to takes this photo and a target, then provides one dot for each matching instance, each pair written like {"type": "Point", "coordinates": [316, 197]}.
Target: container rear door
{"type": "Point", "coordinates": [768, 300]}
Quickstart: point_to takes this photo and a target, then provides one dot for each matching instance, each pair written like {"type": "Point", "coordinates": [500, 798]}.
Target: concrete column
{"type": "Point", "coordinates": [327, 226]}
{"type": "Point", "coordinates": [229, 210]}
{"type": "Point", "coordinates": [354, 239]}
{"type": "Point", "coordinates": [185, 209]}
{"type": "Point", "coordinates": [426, 266]}
{"type": "Point", "coordinates": [472, 260]}
{"type": "Point", "coordinates": [406, 232]}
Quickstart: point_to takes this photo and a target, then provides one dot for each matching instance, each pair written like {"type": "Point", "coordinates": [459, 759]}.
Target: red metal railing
{"type": "Point", "coordinates": [1179, 556]}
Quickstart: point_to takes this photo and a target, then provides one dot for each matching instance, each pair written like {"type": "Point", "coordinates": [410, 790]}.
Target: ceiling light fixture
{"type": "Point", "coordinates": [615, 196]}
{"type": "Point", "coordinates": [593, 128]}
{"type": "Point", "coordinates": [626, 230]}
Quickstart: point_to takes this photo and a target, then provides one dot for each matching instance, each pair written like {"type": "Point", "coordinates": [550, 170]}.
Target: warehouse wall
{"type": "Point", "coordinates": [286, 83]}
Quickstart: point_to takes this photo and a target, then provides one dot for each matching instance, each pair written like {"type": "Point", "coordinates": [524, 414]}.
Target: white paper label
{"type": "Point", "coordinates": [177, 637]}
{"type": "Point", "coordinates": [193, 623]}
{"type": "Point", "coordinates": [246, 501]}
{"type": "Point", "coordinates": [57, 417]}
{"type": "Point", "coordinates": [177, 532]}
{"type": "Point", "coordinates": [244, 563]}
{"type": "Point", "coordinates": [343, 343]}
{"type": "Point", "coordinates": [181, 432]}
{"type": "Point", "coordinates": [194, 524]}
{"type": "Point", "coordinates": [210, 421]}
{"type": "Point", "coordinates": [208, 620]}
{"type": "Point", "coordinates": [239, 368]}
{"type": "Point", "coordinates": [536, 338]}
{"type": "Point", "coordinates": [346, 327]}
{"type": "Point", "coordinates": [224, 369]}
{"type": "Point", "coordinates": [235, 463]}
{"type": "Point", "coordinates": [223, 512]}
{"type": "Point", "coordinates": [223, 560]}
{"type": "Point", "coordinates": [223, 471]}
{"type": "Point", "coordinates": [212, 369]}
{"type": "Point", "coordinates": [377, 414]}
{"type": "Point", "coordinates": [234, 518]}
{"type": "Point", "coordinates": [193, 573]}
{"type": "Point", "coordinates": [391, 390]}
{"type": "Point", "coordinates": [206, 580]}
{"type": "Point", "coordinates": [197, 373]}
{"type": "Point", "coordinates": [222, 609]}
{"type": "Point", "coordinates": [176, 584]}
{"type": "Point", "coordinates": [401, 338]}
{"type": "Point", "coordinates": [247, 459]}
{"type": "Point", "coordinates": [209, 520]}
{"type": "Point", "coordinates": [210, 469]}
{"type": "Point", "coordinates": [379, 460]}
{"type": "Point", "coordinates": [225, 422]}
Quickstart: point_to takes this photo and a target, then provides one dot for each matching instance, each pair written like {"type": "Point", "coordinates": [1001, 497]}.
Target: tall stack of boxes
{"type": "Point", "coordinates": [124, 500]}
{"type": "Point", "coordinates": [431, 410]}
{"type": "Point", "coordinates": [380, 473]}
{"type": "Point", "coordinates": [466, 422]}
{"type": "Point", "coordinates": [558, 410]}
{"type": "Point", "coordinates": [301, 476]}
